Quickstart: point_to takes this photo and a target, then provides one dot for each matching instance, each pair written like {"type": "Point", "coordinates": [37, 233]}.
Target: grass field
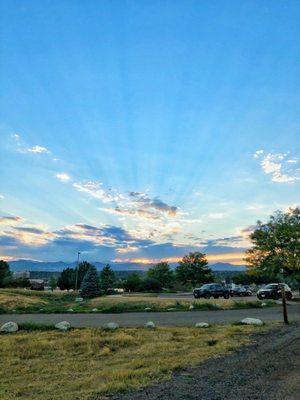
{"type": "Point", "coordinates": [87, 364]}
{"type": "Point", "coordinates": [26, 301]}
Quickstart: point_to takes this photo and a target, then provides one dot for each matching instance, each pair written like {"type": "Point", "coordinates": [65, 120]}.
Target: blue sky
{"type": "Point", "coordinates": [141, 130]}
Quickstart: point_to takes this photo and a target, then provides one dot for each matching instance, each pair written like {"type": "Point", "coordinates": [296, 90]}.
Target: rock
{"type": "Point", "coordinates": [264, 304]}
{"type": "Point", "coordinates": [63, 326]}
{"type": "Point", "coordinates": [112, 326]}
{"type": "Point", "coordinates": [171, 309]}
{"type": "Point", "coordinates": [71, 290]}
{"type": "Point", "coordinates": [41, 309]}
{"type": "Point", "coordinates": [252, 321]}
{"type": "Point", "coordinates": [147, 309]}
{"type": "Point", "coordinates": [95, 309]}
{"type": "Point", "coordinates": [9, 327]}
{"type": "Point", "coordinates": [70, 310]}
{"type": "Point", "coordinates": [191, 307]}
{"type": "Point", "coordinates": [150, 325]}
{"type": "Point", "coordinates": [201, 325]}
{"type": "Point", "coordinates": [79, 299]}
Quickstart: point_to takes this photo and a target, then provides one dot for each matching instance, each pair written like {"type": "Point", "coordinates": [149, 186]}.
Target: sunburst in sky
{"type": "Point", "coordinates": [142, 130]}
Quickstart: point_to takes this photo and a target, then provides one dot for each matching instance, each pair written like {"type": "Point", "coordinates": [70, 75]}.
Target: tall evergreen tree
{"type": "Point", "coordinates": [107, 278]}
{"type": "Point", "coordinates": [90, 285]}
{"type": "Point", "coordinates": [5, 274]}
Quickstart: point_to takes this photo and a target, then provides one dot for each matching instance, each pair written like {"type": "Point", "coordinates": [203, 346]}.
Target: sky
{"type": "Point", "coordinates": [143, 130]}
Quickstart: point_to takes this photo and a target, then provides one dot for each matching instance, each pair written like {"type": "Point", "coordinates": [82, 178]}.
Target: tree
{"type": "Point", "coordinates": [67, 279]}
{"type": "Point", "coordinates": [162, 273]}
{"type": "Point", "coordinates": [83, 268]}
{"type": "Point", "coordinates": [133, 283]}
{"type": "Point", "coordinates": [107, 278]}
{"type": "Point", "coordinates": [276, 246]}
{"type": "Point", "coordinates": [194, 269]}
{"type": "Point", "coordinates": [5, 274]}
{"type": "Point", "coordinates": [90, 285]}
{"type": "Point", "coordinates": [150, 285]}
{"type": "Point", "coordinates": [53, 282]}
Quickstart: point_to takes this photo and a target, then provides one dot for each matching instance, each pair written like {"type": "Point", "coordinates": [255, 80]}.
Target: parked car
{"type": "Point", "coordinates": [240, 291]}
{"type": "Point", "coordinates": [211, 290]}
{"type": "Point", "coordinates": [273, 291]}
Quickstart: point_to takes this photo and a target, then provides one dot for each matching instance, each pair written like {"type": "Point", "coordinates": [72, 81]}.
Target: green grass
{"type": "Point", "coordinates": [41, 364]}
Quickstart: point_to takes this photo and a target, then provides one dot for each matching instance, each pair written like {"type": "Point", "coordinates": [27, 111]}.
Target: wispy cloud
{"type": "Point", "coordinates": [63, 177]}
{"type": "Point", "coordinates": [22, 147]}
{"type": "Point", "coordinates": [130, 204]}
{"type": "Point", "coordinates": [37, 149]}
{"type": "Point", "coordinates": [10, 219]}
{"type": "Point", "coordinates": [279, 166]}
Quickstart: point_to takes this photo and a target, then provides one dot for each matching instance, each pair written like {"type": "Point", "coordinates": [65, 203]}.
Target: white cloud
{"type": "Point", "coordinates": [2, 197]}
{"type": "Point", "coordinates": [38, 149]}
{"type": "Point", "coordinates": [63, 177]}
{"type": "Point", "coordinates": [281, 169]}
{"type": "Point", "coordinates": [258, 153]}
{"type": "Point", "coordinates": [216, 215]}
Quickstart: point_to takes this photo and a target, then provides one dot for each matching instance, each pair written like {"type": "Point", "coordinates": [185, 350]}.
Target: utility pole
{"type": "Point", "coordinates": [284, 307]}
{"type": "Point", "coordinates": [76, 278]}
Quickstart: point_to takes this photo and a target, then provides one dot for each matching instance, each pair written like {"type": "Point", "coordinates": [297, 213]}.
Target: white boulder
{"type": "Point", "coordinates": [201, 325]}
{"type": "Point", "coordinates": [63, 325]}
{"type": "Point", "coordinates": [252, 321]}
{"type": "Point", "coordinates": [70, 310]}
{"type": "Point", "coordinates": [171, 309]}
{"type": "Point", "coordinates": [191, 307]}
{"type": "Point", "coordinates": [9, 327]}
{"type": "Point", "coordinates": [147, 309]}
{"type": "Point", "coordinates": [112, 326]}
{"type": "Point", "coordinates": [95, 309]}
{"type": "Point", "coordinates": [150, 325]}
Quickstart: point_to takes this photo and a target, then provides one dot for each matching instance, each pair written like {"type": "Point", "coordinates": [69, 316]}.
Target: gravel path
{"type": "Point", "coordinates": [183, 318]}
{"type": "Point", "coordinates": [269, 369]}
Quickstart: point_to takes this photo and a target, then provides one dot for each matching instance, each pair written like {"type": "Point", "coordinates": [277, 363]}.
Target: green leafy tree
{"type": "Point", "coordinates": [53, 282]}
{"type": "Point", "coordinates": [90, 285]}
{"type": "Point", "coordinates": [67, 279]}
{"type": "Point", "coordinates": [162, 273]}
{"type": "Point", "coordinates": [5, 274]}
{"type": "Point", "coordinates": [276, 246]}
{"type": "Point", "coordinates": [133, 283]}
{"type": "Point", "coordinates": [193, 268]}
{"type": "Point", "coordinates": [107, 278]}
{"type": "Point", "coordinates": [150, 285]}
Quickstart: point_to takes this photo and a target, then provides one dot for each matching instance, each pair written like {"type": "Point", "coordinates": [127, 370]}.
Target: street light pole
{"type": "Point", "coordinates": [76, 279]}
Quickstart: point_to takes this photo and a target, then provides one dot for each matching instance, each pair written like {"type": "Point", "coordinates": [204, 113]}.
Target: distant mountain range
{"type": "Point", "coordinates": [31, 265]}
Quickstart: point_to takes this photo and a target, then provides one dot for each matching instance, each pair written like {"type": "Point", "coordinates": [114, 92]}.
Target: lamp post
{"type": "Point", "coordinates": [76, 278]}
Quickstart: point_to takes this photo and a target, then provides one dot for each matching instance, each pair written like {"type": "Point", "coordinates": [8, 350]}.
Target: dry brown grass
{"type": "Point", "coordinates": [157, 301]}
{"type": "Point", "coordinates": [13, 300]}
{"type": "Point", "coordinates": [78, 364]}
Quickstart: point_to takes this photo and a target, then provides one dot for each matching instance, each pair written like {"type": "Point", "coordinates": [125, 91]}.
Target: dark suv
{"type": "Point", "coordinates": [211, 289]}
{"type": "Point", "coordinates": [273, 291]}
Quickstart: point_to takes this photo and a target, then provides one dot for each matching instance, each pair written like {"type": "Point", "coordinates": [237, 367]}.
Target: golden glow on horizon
{"type": "Point", "coordinates": [234, 258]}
